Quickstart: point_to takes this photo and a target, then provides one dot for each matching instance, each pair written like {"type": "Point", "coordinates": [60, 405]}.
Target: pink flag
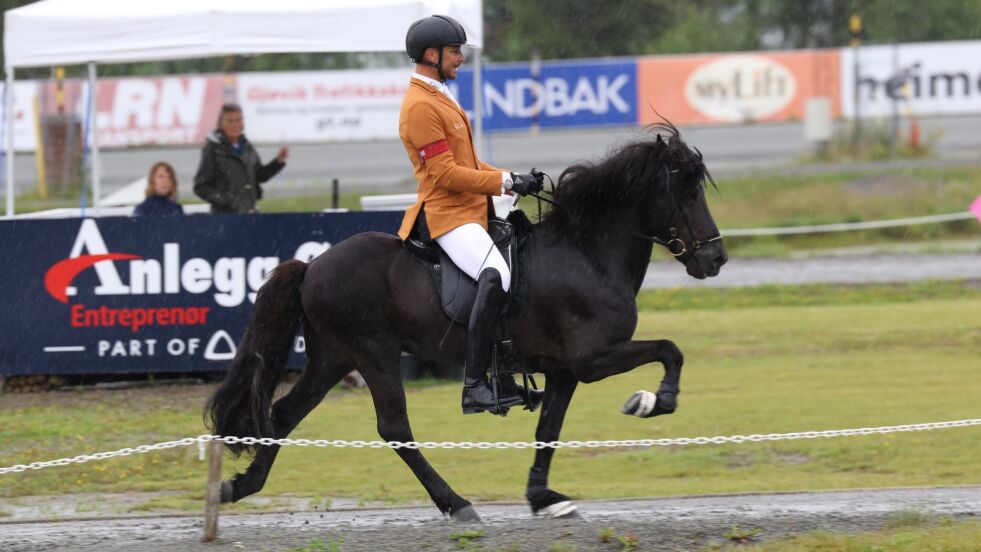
{"type": "Point", "coordinates": [976, 207]}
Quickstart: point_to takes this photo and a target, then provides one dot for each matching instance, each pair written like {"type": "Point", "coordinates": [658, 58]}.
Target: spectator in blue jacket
{"type": "Point", "coordinates": [161, 189]}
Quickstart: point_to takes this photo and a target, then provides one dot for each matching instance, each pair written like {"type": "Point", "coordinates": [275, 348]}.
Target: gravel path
{"type": "Point", "coordinates": [686, 523]}
{"type": "Point", "coordinates": [832, 269]}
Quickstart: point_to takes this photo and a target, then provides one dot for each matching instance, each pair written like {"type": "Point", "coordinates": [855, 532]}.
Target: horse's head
{"type": "Point", "coordinates": [653, 189]}
{"type": "Point", "coordinates": [681, 220]}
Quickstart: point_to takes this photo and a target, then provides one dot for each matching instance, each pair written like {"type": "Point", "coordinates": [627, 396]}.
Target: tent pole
{"type": "Point", "coordinates": [94, 157]}
{"type": "Point", "coordinates": [478, 101]}
{"type": "Point", "coordinates": [9, 141]}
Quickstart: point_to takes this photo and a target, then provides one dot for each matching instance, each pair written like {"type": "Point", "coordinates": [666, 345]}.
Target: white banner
{"type": "Point", "coordinates": [24, 115]}
{"type": "Point", "coordinates": [940, 78]}
{"type": "Point", "coordinates": [322, 106]}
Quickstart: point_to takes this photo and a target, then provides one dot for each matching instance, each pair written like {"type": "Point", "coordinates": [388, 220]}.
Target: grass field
{"type": "Point", "coordinates": [765, 360]}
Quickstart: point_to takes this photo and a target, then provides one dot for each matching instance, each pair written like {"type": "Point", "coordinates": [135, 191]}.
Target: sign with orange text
{"type": "Point", "coordinates": [736, 88]}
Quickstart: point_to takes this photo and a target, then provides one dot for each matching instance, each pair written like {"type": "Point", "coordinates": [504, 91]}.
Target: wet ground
{"type": "Point", "coordinates": [689, 523]}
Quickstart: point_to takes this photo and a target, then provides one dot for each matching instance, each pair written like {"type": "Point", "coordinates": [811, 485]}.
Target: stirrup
{"type": "Point", "coordinates": [496, 405]}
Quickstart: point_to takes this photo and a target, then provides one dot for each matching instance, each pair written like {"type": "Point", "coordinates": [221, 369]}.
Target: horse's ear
{"type": "Point", "coordinates": [659, 139]}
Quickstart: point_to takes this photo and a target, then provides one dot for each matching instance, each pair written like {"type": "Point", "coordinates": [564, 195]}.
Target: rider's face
{"type": "Point", "coordinates": [453, 58]}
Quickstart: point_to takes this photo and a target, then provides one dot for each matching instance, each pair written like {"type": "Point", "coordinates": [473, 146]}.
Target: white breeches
{"type": "Point", "coordinates": [473, 250]}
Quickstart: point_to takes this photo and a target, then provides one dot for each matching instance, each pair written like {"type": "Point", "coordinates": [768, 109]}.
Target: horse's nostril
{"type": "Point", "coordinates": [721, 259]}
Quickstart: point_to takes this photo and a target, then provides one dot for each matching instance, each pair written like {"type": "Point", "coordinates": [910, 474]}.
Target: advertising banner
{"type": "Point", "coordinates": [148, 294]}
{"type": "Point", "coordinates": [24, 116]}
{"type": "Point", "coordinates": [175, 110]}
{"type": "Point", "coordinates": [736, 88]}
{"type": "Point", "coordinates": [941, 78]}
{"type": "Point", "coordinates": [566, 94]}
{"type": "Point", "coordinates": [322, 106]}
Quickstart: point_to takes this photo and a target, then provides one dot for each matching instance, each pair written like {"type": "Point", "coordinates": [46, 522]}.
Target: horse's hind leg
{"type": "Point", "coordinates": [387, 393]}
{"type": "Point", "coordinates": [321, 374]}
{"type": "Point", "coordinates": [559, 387]}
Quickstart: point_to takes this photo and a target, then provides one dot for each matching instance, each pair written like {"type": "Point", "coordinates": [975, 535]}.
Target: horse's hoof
{"type": "Point", "coordinates": [466, 514]}
{"type": "Point", "coordinates": [226, 491]}
{"type": "Point", "coordinates": [640, 404]}
{"type": "Point", "coordinates": [561, 510]}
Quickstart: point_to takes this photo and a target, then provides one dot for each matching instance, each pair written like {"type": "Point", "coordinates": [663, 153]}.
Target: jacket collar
{"type": "Point", "coordinates": [439, 95]}
{"type": "Point", "coordinates": [218, 137]}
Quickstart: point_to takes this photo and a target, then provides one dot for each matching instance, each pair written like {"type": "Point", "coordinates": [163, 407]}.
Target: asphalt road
{"type": "Point", "coordinates": [373, 167]}
{"type": "Point", "coordinates": [874, 268]}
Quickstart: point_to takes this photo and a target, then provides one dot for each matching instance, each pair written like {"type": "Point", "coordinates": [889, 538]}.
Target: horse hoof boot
{"type": "Point", "coordinates": [466, 515]}
{"type": "Point", "coordinates": [226, 491]}
{"type": "Point", "coordinates": [640, 404]}
{"type": "Point", "coordinates": [561, 510]}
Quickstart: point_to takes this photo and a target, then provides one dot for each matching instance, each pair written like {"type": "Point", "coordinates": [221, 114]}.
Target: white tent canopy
{"type": "Point", "coordinates": [62, 32]}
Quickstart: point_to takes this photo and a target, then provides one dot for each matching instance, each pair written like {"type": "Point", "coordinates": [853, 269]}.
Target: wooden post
{"type": "Point", "coordinates": [213, 497]}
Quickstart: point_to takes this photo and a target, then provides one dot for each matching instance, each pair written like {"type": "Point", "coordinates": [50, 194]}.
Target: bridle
{"type": "Point", "coordinates": [675, 245]}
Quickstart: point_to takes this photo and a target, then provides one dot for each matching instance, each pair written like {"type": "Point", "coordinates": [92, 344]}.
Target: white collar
{"type": "Point", "coordinates": [431, 81]}
{"type": "Point", "coordinates": [441, 86]}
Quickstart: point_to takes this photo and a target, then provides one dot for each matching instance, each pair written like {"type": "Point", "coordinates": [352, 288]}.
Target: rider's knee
{"type": "Point", "coordinates": [501, 276]}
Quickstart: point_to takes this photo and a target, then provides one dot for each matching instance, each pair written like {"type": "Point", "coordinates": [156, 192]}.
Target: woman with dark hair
{"type": "Point", "coordinates": [161, 189]}
{"type": "Point", "coordinates": [230, 173]}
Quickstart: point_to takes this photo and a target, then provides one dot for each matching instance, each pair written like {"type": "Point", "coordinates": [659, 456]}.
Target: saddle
{"type": "Point", "coordinates": [457, 290]}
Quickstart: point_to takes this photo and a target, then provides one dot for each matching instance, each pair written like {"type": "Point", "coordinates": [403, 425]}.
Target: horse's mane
{"type": "Point", "coordinates": [591, 195]}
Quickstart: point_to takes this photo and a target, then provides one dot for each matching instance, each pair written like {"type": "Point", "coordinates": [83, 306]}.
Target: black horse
{"type": "Point", "coordinates": [365, 300]}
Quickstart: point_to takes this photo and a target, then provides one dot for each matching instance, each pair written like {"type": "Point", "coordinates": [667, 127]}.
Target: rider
{"type": "Point", "coordinates": [454, 192]}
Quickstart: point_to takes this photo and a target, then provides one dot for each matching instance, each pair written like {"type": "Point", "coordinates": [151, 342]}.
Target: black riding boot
{"type": "Point", "coordinates": [477, 393]}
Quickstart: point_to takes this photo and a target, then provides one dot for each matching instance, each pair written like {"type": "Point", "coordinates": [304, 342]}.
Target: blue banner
{"type": "Point", "coordinates": [557, 94]}
{"type": "Point", "coordinates": [148, 294]}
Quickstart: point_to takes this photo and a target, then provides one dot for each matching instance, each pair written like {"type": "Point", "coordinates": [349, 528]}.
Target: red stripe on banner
{"type": "Point", "coordinates": [432, 150]}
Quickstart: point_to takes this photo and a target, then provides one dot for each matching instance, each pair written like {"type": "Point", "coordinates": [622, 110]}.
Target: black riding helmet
{"type": "Point", "coordinates": [434, 31]}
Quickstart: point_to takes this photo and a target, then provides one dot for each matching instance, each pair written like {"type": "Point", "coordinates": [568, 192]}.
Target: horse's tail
{"type": "Point", "coordinates": [241, 404]}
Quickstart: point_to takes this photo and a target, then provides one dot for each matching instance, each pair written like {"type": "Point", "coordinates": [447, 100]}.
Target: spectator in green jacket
{"type": "Point", "coordinates": [230, 174]}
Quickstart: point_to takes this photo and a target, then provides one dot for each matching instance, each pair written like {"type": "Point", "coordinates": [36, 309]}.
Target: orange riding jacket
{"type": "Point", "coordinates": [454, 186]}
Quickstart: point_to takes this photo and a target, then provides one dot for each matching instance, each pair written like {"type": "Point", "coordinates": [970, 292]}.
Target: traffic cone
{"type": "Point", "coordinates": [914, 135]}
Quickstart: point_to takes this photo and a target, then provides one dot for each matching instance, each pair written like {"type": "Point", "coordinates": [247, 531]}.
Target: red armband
{"type": "Point", "coordinates": [432, 150]}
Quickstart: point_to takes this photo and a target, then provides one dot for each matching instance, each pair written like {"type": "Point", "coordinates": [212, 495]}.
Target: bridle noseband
{"type": "Point", "coordinates": [673, 239]}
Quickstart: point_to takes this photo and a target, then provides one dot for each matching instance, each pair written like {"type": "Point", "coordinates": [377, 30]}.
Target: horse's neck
{"type": "Point", "coordinates": [621, 253]}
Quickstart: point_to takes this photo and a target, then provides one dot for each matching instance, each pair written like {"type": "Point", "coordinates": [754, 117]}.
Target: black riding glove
{"type": "Point", "coordinates": [524, 184]}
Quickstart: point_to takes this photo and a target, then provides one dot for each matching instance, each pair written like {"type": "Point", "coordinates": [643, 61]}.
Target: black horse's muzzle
{"type": "Point", "coordinates": [706, 261]}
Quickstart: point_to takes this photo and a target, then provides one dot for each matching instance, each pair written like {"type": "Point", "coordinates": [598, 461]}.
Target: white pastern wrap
{"type": "Point", "coordinates": [640, 404]}
{"type": "Point", "coordinates": [559, 509]}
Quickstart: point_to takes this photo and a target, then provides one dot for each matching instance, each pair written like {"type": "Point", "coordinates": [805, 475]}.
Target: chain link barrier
{"type": "Point", "coordinates": [340, 443]}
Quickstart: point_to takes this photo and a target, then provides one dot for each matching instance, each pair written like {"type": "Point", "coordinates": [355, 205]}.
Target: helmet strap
{"type": "Point", "coordinates": [439, 66]}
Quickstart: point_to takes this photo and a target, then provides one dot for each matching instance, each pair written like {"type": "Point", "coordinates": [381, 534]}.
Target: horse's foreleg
{"type": "Point", "coordinates": [388, 395]}
{"type": "Point", "coordinates": [625, 356]}
{"type": "Point", "coordinates": [318, 378]}
{"type": "Point", "coordinates": [559, 387]}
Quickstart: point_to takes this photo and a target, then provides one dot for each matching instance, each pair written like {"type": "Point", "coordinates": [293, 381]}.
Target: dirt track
{"type": "Point", "coordinates": [656, 524]}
